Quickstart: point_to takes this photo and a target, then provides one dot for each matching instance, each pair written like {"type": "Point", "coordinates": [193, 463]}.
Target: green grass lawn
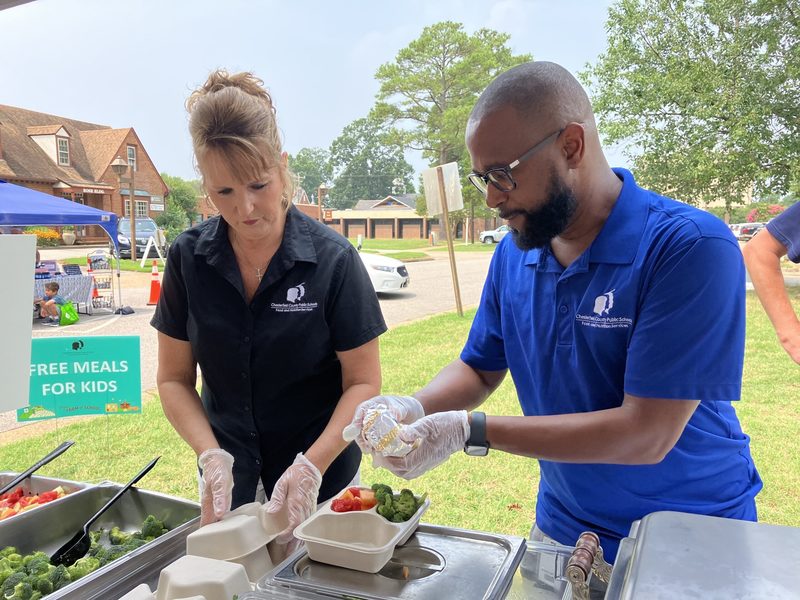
{"type": "Point", "coordinates": [496, 493]}
{"type": "Point", "coordinates": [125, 264]}
{"type": "Point", "coordinates": [460, 246]}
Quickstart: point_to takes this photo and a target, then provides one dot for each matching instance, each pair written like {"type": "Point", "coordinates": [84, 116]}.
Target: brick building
{"type": "Point", "coordinates": [72, 159]}
{"type": "Point", "coordinates": [395, 217]}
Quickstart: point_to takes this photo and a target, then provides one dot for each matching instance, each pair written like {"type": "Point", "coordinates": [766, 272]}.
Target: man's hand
{"type": "Point", "coordinates": [297, 491]}
{"type": "Point", "coordinates": [403, 409]}
{"type": "Point", "coordinates": [216, 484]}
{"type": "Point", "coordinates": [435, 438]}
{"type": "Point", "coordinates": [791, 344]}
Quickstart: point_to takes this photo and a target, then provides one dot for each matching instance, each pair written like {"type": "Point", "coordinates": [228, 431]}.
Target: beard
{"type": "Point", "coordinates": [547, 221]}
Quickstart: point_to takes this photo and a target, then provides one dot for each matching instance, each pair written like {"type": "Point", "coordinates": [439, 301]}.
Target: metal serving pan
{"type": "Point", "coordinates": [436, 562]}
{"type": "Point", "coordinates": [36, 484]}
{"type": "Point", "coordinates": [670, 555]}
{"type": "Point", "coordinates": [48, 527]}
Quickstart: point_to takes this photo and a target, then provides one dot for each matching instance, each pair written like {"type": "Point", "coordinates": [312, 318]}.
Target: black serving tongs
{"type": "Point", "coordinates": [27, 473]}
{"type": "Point", "coordinates": [79, 544]}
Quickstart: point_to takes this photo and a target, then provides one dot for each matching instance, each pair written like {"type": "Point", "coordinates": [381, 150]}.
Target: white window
{"type": "Point", "coordinates": [132, 157]}
{"type": "Point", "coordinates": [127, 208]}
{"type": "Point", "coordinates": [63, 151]}
{"type": "Point", "coordinates": [141, 208]}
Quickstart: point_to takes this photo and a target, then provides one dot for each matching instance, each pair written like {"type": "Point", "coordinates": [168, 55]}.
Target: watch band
{"type": "Point", "coordinates": [477, 444]}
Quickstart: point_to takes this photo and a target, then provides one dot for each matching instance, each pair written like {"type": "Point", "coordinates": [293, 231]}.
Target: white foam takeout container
{"type": "Point", "coordinates": [191, 576]}
{"type": "Point", "coordinates": [360, 540]}
{"type": "Point", "coordinates": [241, 537]}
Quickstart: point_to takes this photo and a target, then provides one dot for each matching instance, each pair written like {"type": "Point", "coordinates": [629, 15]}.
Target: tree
{"type": "Point", "coordinates": [367, 163]}
{"type": "Point", "coordinates": [312, 167]}
{"type": "Point", "coordinates": [705, 91]}
{"type": "Point", "coordinates": [431, 88]}
{"type": "Point", "coordinates": [181, 210]}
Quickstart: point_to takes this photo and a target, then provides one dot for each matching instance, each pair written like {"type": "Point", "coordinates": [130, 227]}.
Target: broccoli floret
{"type": "Point", "coordinates": [83, 566]}
{"type": "Point", "coordinates": [36, 556]}
{"type": "Point", "coordinates": [14, 561]}
{"type": "Point", "coordinates": [118, 537]}
{"type": "Point", "coordinates": [37, 595]}
{"type": "Point", "coordinates": [405, 505]}
{"type": "Point", "coordinates": [381, 491]}
{"type": "Point", "coordinates": [11, 582]}
{"type": "Point", "coordinates": [43, 585]}
{"type": "Point", "coordinates": [152, 528]}
{"type": "Point", "coordinates": [22, 591]}
{"type": "Point", "coordinates": [385, 506]}
{"type": "Point", "coordinates": [59, 577]}
{"type": "Point", "coordinates": [95, 536]}
{"type": "Point", "coordinates": [8, 550]}
{"type": "Point", "coordinates": [38, 566]}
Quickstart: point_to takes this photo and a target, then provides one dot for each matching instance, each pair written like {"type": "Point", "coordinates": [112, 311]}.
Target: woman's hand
{"type": "Point", "coordinates": [216, 484]}
{"type": "Point", "coordinates": [296, 491]}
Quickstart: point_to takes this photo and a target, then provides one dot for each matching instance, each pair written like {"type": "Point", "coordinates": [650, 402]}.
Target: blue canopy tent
{"type": "Point", "coordinates": [21, 206]}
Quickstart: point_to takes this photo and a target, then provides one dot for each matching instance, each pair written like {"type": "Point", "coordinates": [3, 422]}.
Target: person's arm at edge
{"type": "Point", "coordinates": [762, 256]}
{"type": "Point", "coordinates": [640, 431]}
{"type": "Point", "coordinates": [361, 380]}
{"type": "Point", "coordinates": [177, 378]}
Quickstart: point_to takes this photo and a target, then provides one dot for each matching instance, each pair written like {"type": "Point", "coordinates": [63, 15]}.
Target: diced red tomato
{"type": "Point", "coordinates": [47, 496]}
{"type": "Point", "coordinates": [356, 491]}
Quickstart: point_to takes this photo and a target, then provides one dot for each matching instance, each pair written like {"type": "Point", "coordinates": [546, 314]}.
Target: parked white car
{"type": "Point", "coordinates": [387, 274]}
{"type": "Point", "coordinates": [494, 235]}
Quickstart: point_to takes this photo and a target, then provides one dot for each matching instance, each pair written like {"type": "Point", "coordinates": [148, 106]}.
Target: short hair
{"type": "Point", "coordinates": [52, 286]}
{"type": "Point", "coordinates": [234, 113]}
{"type": "Point", "coordinates": [538, 91]}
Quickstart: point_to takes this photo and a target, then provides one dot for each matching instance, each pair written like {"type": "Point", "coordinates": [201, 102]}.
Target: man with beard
{"type": "Point", "coordinates": [619, 313]}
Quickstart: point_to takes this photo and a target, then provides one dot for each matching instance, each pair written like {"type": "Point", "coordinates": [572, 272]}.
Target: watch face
{"type": "Point", "coordinates": [476, 450]}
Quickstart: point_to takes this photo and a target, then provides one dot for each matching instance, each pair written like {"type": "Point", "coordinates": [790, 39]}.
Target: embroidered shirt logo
{"type": "Point", "coordinates": [603, 303]}
{"type": "Point", "coordinates": [294, 301]}
{"type": "Point", "coordinates": [296, 293]}
{"type": "Point", "coordinates": [601, 318]}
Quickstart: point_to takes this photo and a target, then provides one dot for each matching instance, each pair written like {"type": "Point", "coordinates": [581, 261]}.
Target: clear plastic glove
{"type": "Point", "coordinates": [402, 409]}
{"type": "Point", "coordinates": [436, 437]}
{"type": "Point", "coordinates": [297, 490]}
{"type": "Point", "coordinates": [216, 484]}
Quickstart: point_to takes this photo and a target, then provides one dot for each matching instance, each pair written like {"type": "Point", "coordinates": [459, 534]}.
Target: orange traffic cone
{"type": "Point", "coordinates": [95, 293]}
{"type": "Point", "coordinates": [155, 286]}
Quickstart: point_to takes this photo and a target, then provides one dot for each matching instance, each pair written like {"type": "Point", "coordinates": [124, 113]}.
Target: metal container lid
{"type": "Point", "coordinates": [680, 555]}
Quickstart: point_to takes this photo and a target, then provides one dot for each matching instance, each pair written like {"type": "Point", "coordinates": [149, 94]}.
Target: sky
{"type": "Point", "coordinates": [132, 64]}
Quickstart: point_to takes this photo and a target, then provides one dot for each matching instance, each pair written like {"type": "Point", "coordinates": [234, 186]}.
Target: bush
{"type": "Point", "coordinates": [45, 236]}
{"type": "Point", "coordinates": [763, 212]}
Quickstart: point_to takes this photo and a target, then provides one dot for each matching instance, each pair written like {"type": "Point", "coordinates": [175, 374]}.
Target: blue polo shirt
{"type": "Point", "coordinates": [786, 229]}
{"type": "Point", "coordinates": [655, 307]}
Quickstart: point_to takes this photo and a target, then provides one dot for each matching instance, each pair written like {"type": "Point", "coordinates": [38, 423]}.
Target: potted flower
{"type": "Point", "coordinates": [68, 235]}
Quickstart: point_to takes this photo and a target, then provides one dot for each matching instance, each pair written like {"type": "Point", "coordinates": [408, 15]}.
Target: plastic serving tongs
{"type": "Point", "coordinates": [79, 544]}
{"type": "Point", "coordinates": [25, 474]}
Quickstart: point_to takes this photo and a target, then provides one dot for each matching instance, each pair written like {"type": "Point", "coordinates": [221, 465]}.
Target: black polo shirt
{"type": "Point", "coordinates": [271, 378]}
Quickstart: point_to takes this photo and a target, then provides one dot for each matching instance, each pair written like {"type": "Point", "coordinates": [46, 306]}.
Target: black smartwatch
{"type": "Point", "coordinates": [477, 444]}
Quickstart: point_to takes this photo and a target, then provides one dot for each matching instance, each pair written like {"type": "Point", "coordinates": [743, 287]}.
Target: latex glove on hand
{"type": "Point", "coordinates": [216, 484]}
{"type": "Point", "coordinates": [296, 490]}
{"type": "Point", "coordinates": [434, 438]}
{"type": "Point", "coordinates": [403, 409]}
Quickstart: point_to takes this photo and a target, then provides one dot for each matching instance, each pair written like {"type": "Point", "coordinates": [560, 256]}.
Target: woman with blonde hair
{"type": "Point", "coordinates": [278, 312]}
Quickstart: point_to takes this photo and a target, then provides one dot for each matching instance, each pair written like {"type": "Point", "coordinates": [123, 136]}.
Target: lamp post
{"type": "Point", "coordinates": [322, 191]}
{"type": "Point", "coordinates": [119, 166]}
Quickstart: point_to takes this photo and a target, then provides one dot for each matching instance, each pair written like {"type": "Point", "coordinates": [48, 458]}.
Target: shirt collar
{"type": "Point", "coordinates": [297, 244]}
{"type": "Point", "coordinates": [618, 240]}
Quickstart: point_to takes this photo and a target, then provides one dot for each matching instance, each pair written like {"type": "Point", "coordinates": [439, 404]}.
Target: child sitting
{"type": "Point", "coordinates": [50, 304]}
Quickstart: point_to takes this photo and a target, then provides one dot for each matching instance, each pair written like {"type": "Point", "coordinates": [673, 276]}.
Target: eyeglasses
{"type": "Point", "coordinates": [500, 177]}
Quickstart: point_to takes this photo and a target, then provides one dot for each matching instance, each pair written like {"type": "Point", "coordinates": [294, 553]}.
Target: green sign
{"type": "Point", "coordinates": [88, 375]}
